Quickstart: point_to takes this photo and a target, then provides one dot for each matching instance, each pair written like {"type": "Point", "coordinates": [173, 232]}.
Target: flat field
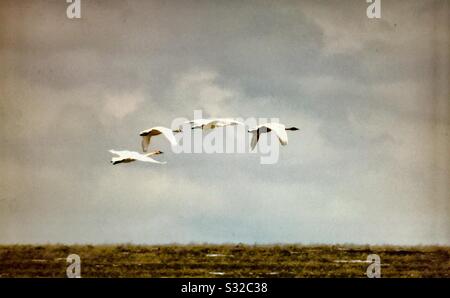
{"type": "Point", "coordinates": [223, 260]}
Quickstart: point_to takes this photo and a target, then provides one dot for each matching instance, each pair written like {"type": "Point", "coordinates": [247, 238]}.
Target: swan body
{"type": "Point", "coordinates": [207, 124]}
{"type": "Point", "coordinates": [126, 156]}
{"type": "Point", "coordinates": [155, 131]}
{"type": "Point", "coordinates": [278, 128]}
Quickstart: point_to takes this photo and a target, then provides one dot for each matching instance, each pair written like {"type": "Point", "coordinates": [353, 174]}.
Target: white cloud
{"type": "Point", "coordinates": [200, 90]}
{"type": "Point", "coordinates": [121, 105]}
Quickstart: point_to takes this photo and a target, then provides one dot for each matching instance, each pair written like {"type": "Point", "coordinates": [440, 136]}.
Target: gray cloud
{"type": "Point", "coordinates": [371, 164]}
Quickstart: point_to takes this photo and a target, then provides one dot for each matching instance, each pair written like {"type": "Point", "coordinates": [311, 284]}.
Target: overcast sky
{"type": "Point", "coordinates": [370, 165]}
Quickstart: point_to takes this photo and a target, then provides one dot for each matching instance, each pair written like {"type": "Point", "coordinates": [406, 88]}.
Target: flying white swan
{"type": "Point", "coordinates": [212, 123]}
{"type": "Point", "coordinates": [278, 128]}
{"type": "Point", "coordinates": [126, 156]}
{"type": "Point", "coordinates": [155, 131]}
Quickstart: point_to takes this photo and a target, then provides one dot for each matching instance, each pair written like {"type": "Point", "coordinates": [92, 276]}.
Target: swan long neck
{"type": "Point", "coordinates": [153, 153]}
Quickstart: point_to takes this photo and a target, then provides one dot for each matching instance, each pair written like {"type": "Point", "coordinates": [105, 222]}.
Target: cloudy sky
{"type": "Point", "coordinates": [370, 165]}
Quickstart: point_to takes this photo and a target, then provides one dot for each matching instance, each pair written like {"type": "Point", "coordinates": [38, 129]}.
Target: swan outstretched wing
{"type": "Point", "coordinates": [198, 123]}
{"type": "Point", "coordinates": [114, 152]}
{"type": "Point", "coordinates": [131, 155]}
{"type": "Point", "coordinates": [122, 153]}
{"type": "Point", "coordinates": [147, 135]}
{"type": "Point", "coordinates": [226, 122]}
{"type": "Point", "coordinates": [212, 123]}
{"type": "Point", "coordinates": [145, 142]}
{"type": "Point", "coordinates": [235, 122]}
{"type": "Point", "coordinates": [144, 158]}
{"type": "Point", "coordinates": [168, 133]}
{"type": "Point", "coordinates": [255, 138]}
{"type": "Point", "coordinates": [280, 130]}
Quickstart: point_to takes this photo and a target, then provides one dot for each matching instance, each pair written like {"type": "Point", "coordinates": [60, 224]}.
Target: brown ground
{"type": "Point", "coordinates": [223, 261]}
